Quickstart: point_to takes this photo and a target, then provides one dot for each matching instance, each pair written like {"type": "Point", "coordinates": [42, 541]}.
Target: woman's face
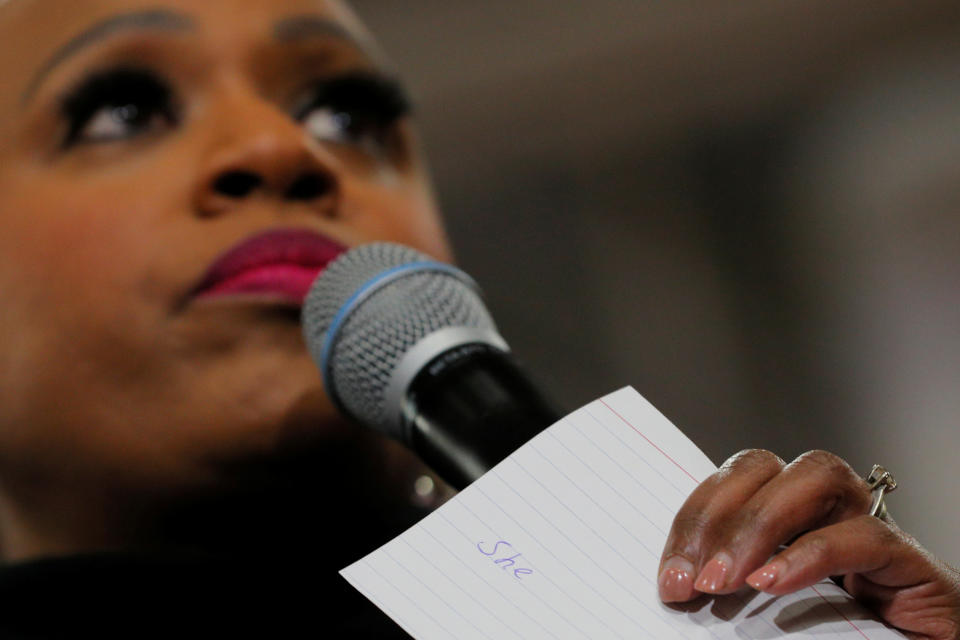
{"type": "Point", "coordinates": [139, 141]}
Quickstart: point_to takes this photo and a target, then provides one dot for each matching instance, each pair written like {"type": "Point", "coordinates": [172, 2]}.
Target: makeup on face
{"type": "Point", "coordinates": [355, 108]}
{"type": "Point", "coordinates": [327, 82]}
{"type": "Point", "coordinates": [279, 120]}
{"type": "Point", "coordinates": [279, 265]}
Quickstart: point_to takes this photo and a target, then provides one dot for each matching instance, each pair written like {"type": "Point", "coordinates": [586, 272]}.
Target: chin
{"type": "Point", "coordinates": [287, 416]}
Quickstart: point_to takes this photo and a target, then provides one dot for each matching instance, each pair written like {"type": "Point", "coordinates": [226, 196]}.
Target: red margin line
{"type": "Point", "coordinates": [679, 466]}
{"type": "Point", "coordinates": [627, 422]}
{"type": "Point", "coordinates": [849, 621]}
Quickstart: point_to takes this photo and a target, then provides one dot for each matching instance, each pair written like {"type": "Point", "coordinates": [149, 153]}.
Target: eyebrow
{"type": "Point", "coordinates": [154, 20]}
{"type": "Point", "coordinates": [308, 26]}
{"type": "Point", "coordinates": [288, 30]}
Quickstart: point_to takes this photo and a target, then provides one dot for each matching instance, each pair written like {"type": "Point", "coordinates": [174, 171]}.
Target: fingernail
{"type": "Point", "coordinates": [713, 577]}
{"type": "Point", "coordinates": [676, 580]}
{"type": "Point", "coordinates": [764, 577]}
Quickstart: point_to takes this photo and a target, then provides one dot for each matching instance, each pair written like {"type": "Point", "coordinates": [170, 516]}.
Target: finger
{"type": "Point", "coordinates": [705, 509]}
{"type": "Point", "coordinates": [884, 568]}
{"type": "Point", "coordinates": [865, 545]}
{"type": "Point", "coordinates": [930, 609]}
{"type": "Point", "coordinates": [815, 490]}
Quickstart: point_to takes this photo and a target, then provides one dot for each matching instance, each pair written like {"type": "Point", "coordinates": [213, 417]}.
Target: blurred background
{"type": "Point", "coordinates": [749, 211]}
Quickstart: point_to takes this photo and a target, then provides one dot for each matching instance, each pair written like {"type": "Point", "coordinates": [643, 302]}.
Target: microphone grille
{"type": "Point", "coordinates": [368, 309]}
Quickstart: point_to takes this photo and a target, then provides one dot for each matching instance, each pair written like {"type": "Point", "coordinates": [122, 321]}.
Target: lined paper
{"type": "Point", "coordinates": [562, 540]}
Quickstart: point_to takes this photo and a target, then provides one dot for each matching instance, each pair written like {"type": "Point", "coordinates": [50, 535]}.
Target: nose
{"type": "Point", "coordinates": [262, 153]}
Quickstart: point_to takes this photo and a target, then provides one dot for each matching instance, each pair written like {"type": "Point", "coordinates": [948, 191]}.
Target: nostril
{"type": "Point", "coordinates": [237, 184]}
{"type": "Point", "coordinates": [308, 187]}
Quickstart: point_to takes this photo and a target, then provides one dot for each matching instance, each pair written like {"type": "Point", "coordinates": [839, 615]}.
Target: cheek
{"type": "Point", "coordinates": [404, 212]}
{"type": "Point", "coordinates": [77, 246]}
{"type": "Point", "coordinates": [76, 303]}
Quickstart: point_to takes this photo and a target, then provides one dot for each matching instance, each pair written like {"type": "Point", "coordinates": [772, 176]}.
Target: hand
{"type": "Point", "coordinates": [727, 530]}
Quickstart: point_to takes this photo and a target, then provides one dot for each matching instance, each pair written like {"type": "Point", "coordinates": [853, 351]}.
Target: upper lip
{"type": "Point", "coordinates": [300, 247]}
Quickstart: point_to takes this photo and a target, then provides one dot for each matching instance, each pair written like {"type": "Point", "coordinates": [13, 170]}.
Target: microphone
{"type": "Point", "coordinates": [406, 346]}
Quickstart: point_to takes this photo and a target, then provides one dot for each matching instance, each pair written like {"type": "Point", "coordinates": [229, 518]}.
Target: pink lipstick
{"type": "Point", "coordinates": [280, 264]}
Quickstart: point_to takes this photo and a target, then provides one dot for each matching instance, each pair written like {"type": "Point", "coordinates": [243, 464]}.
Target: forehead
{"type": "Point", "coordinates": [34, 32]}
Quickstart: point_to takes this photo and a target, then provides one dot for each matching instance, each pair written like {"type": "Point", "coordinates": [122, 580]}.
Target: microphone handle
{"type": "Point", "coordinates": [471, 407]}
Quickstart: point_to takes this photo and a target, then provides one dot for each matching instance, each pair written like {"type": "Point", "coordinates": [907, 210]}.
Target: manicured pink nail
{"type": "Point", "coordinates": [676, 580]}
{"type": "Point", "coordinates": [713, 577]}
{"type": "Point", "coordinates": [764, 577]}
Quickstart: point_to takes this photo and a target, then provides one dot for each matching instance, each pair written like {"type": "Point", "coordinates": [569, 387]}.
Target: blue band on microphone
{"type": "Point", "coordinates": [365, 290]}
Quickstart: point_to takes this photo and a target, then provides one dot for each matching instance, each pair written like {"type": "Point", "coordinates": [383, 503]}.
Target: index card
{"type": "Point", "coordinates": [563, 539]}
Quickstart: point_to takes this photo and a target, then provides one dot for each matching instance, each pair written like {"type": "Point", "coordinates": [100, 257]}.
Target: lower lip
{"type": "Point", "coordinates": [286, 282]}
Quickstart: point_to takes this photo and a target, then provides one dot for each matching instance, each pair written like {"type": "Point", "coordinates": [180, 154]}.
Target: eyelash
{"type": "Point", "coordinates": [358, 108]}
{"type": "Point", "coordinates": [361, 107]}
{"type": "Point", "coordinates": [135, 98]}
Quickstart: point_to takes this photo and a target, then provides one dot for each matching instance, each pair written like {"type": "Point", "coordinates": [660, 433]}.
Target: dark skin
{"type": "Point", "coordinates": [726, 531]}
{"type": "Point", "coordinates": [135, 417]}
{"type": "Point", "coordinates": [120, 395]}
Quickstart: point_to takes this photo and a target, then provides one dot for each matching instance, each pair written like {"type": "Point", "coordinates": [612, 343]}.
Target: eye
{"type": "Point", "coordinates": [359, 109]}
{"type": "Point", "coordinates": [116, 105]}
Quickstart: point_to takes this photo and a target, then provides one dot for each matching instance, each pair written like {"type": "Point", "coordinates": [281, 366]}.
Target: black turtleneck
{"type": "Point", "coordinates": [134, 596]}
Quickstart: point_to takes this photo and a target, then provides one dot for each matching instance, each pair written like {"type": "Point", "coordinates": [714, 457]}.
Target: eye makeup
{"type": "Point", "coordinates": [357, 108]}
{"type": "Point", "coordinates": [115, 104]}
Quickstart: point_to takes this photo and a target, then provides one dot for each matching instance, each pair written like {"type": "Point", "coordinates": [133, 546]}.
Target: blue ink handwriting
{"type": "Point", "coordinates": [505, 558]}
